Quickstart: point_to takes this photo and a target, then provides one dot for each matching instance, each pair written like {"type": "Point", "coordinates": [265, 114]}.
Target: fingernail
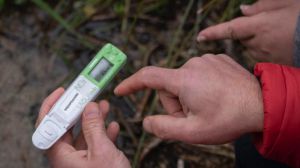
{"type": "Point", "coordinates": [201, 38]}
{"type": "Point", "coordinates": [244, 7]}
{"type": "Point", "coordinates": [147, 125]}
{"type": "Point", "coordinates": [93, 113]}
{"type": "Point", "coordinates": [116, 91]}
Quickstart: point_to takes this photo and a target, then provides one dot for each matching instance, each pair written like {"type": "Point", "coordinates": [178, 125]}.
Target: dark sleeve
{"type": "Point", "coordinates": [297, 44]}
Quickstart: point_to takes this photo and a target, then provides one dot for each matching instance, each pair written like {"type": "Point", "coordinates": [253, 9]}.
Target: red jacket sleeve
{"type": "Point", "coordinates": [280, 139]}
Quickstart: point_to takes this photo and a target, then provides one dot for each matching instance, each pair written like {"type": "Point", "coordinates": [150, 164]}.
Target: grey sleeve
{"type": "Point", "coordinates": [297, 44]}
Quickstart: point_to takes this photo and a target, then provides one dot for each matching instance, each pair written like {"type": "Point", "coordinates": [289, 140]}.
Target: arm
{"type": "Point", "coordinates": [280, 139]}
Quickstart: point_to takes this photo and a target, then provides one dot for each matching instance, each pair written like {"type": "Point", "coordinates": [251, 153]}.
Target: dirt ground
{"type": "Point", "coordinates": [28, 74]}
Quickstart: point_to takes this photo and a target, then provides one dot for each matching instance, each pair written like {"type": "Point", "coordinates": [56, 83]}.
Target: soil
{"type": "Point", "coordinates": [29, 73]}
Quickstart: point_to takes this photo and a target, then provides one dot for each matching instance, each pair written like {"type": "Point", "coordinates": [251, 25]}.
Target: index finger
{"type": "Point", "coordinates": [48, 103]}
{"type": "Point", "coordinates": [150, 77]}
{"type": "Point", "coordinates": [263, 6]}
{"type": "Point", "coordinates": [240, 28]}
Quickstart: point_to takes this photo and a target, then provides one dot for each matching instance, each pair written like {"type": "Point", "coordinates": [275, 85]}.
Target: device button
{"type": "Point", "coordinates": [49, 130]}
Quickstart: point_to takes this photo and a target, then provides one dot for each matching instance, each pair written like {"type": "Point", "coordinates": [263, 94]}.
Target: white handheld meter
{"type": "Point", "coordinates": [84, 89]}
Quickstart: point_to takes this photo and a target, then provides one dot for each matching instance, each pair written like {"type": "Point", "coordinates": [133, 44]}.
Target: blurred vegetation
{"type": "Point", "coordinates": [151, 32]}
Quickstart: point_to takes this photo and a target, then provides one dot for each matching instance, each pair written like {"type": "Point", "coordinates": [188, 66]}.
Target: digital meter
{"type": "Point", "coordinates": [84, 89]}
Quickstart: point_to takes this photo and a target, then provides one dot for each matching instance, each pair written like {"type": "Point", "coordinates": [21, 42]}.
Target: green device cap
{"type": "Point", "coordinates": [107, 62]}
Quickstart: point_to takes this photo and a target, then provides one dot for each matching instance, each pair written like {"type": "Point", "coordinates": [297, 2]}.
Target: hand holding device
{"type": "Point", "coordinates": [95, 144]}
{"type": "Point", "coordinates": [85, 88]}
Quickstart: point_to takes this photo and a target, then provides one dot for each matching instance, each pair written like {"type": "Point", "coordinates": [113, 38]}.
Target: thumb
{"type": "Point", "coordinates": [94, 130]}
{"type": "Point", "coordinates": [170, 127]}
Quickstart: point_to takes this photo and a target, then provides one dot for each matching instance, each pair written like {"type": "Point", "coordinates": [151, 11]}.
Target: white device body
{"type": "Point", "coordinates": [65, 113]}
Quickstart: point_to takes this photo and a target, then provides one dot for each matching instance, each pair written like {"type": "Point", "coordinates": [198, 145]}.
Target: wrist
{"type": "Point", "coordinates": [259, 109]}
{"type": "Point", "coordinates": [254, 107]}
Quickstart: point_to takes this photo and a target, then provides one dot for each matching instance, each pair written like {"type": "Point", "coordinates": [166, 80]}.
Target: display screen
{"type": "Point", "coordinates": [100, 69]}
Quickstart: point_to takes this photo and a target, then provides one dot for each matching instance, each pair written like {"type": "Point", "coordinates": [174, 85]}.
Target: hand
{"type": "Point", "coordinates": [94, 146]}
{"type": "Point", "coordinates": [209, 100]}
{"type": "Point", "coordinates": [267, 30]}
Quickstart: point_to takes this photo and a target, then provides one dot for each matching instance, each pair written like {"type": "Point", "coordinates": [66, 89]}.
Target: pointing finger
{"type": "Point", "coordinates": [262, 6]}
{"type": "Point", "coordinates": [150, 77]}
{"type": "Point", "coordinates": [237, 29]}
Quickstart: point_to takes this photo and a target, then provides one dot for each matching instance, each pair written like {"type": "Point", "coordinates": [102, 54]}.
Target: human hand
{"type": "Point", "coordinates": [267, 30]}
{"type": "Point", "coordinates": [93, 147]}
{"type": "Point", "coordinates": [209, 100]}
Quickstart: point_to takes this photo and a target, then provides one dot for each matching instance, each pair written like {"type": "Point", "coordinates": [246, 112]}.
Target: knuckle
{"type": "Point", "coordinates": [91, 124]}
{"type": "Point", "coordinates": [193, 61]}
{"type": "Point", "coordinates": [91, 128]}
{"type": "Point", "coordinates": [161, 135]}
{"type": "Point", "coordinates": [230, 30]}
{"type": "Point", "coordinates": [223, 56]}
{"type": "Point", "coordinates": [146, 70]}
{"type": "Point", "coordinates": [145, 73]}
{"type": "Point", "coordinates": [228, 59]}
{"type": "Point", "coordinates": [207, 56]}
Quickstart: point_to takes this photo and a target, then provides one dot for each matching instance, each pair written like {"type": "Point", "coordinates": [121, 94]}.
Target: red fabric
{"type": "Point", "coordinates": [280, 139]}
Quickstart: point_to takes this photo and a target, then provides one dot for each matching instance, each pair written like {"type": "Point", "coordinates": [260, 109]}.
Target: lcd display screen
{"type": "Point", "coordinates": [100, 69]}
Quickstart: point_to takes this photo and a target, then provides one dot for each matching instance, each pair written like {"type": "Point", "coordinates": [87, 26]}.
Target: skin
{"type": "Point", "coordinates": [209, 100]}
{"type": "Point", "coordinates": [95, 144]}
{"type": "Point", "coordinates": [267, 29]}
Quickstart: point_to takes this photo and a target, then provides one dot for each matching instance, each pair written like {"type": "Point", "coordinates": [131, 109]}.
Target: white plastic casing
{"type": "Point", "coordinates": [65, 113]}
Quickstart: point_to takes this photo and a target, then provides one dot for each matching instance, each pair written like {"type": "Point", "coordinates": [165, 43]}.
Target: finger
{"type": "Point", "coordinates": [239, 28]}
{"type": "Point", "coordinates": [94, 130]}
{"type": "Point", "coordinates": [104, 106]}
{"type": "Point", "coordinates": [170, 127]}
{"type": "Point", "coordinates": [48, 103]}
{"type": "Point", "coordinates": [150, 77]}
{"type": "Point", "coordinates": [261, 6]}
{"type": "Point", "coordinates": [80, 143]}
{"type": "Point", "coordinates": [113, 131]}
{"type": "Point", "coordinates": [171, 104]}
